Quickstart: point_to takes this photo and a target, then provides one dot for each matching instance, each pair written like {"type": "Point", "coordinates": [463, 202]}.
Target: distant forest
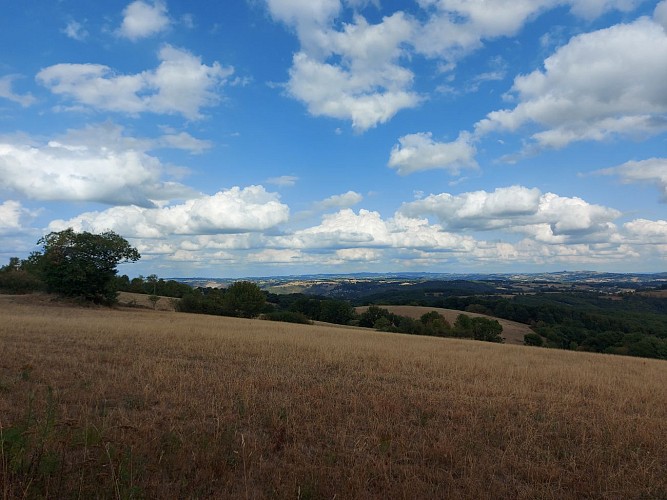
{"type": "Point", "coordinates": [631, 324]}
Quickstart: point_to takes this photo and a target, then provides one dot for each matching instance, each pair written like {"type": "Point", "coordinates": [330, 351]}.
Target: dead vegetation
{"type": "Point", "coordinates": [140, 403]}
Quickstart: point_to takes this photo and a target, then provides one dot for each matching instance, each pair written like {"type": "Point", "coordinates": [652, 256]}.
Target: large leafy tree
{"type": "Point", "coordinates": [82, 264]}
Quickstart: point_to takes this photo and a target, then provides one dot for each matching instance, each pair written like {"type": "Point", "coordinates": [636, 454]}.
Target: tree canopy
{"type": "Point", "coordinates": [244, 299]}
{"type": "Point", "coordinates": [82, 264]}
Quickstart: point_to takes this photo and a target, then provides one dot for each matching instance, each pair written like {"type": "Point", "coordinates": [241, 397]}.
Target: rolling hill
{"type": "Point", "coordinates": [122, 403]}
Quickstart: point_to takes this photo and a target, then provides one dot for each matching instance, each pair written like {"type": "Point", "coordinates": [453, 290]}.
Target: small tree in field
{"type": "Point", "coordinates": [435, 323]}
{"type": "Point", "coordinates": [533, 339]}
{"type": "Point", "coordinates": [82, 264]}
{"type": "Point", "coordinates": [478, 328]}
{"type": "Point", "coordinates": [244, 299]}
{"type": "Point", "coordinates": [154, 299]}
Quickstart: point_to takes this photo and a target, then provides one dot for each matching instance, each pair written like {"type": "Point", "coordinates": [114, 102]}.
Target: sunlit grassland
{"type": "Point", "coordinates": [138, 403]}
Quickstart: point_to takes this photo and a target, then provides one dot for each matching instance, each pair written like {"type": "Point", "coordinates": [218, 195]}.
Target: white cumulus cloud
{"type": "Point", "coordinates": [344, 200]}
{"type": "Point", "coordinates": [360, 71]}
{"type": "Point", "coordinates": [600, 84]}
{"type": "Point", "coordinates": [184, 141]}
{"type": "Point", "coordinates": [660, 14]}
{"type": "Point", "coordinates": [346, 229]}
{"type": "Point", "coordinates": [14, 217]}
{"type": "Point", "coordinates": [647, 231]}
{"type": "Point", "coordinates": [456, 27]}
{"type": "Point", "coordinates": [335, 91]}
{"type": "Point", "coordinates": [418, 152]}
{"type": "Point", "coordinates": [97, 163]}
{"type": "Point", "coordinates": [181, 84]}
{"type": "Point", "coordinates": [142, 19]}
{"type": "Point", "coordinates": [274, 256]}
{"type": "Point", "coordinates": [303, 12]}
{"type": "Point", "coordinates": [235, 210]}
{"type": "Point", "coordinates": [652, 170]}
{"type": "Point", "coordinates": [547, 217]}
{"type": "Point", "coordinates": [358, 255]}
{"type": "Point", "coordinates": [354, 73]}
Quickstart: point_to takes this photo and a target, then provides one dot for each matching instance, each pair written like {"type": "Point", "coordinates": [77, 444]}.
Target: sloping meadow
{"type": "Point", "coordinates": [137, 403]}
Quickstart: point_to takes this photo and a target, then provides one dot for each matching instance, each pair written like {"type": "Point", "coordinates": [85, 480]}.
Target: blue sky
{"type": "Point", "coordinates": [271, 137]}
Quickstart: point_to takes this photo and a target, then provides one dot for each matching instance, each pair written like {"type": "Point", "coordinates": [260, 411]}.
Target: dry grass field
{"type": "Point", "coordinates": [513, 332]}
{"type": "Point", "coordinates": [143, 300]}
{"type": "Point", "coordinates": [132, 403]}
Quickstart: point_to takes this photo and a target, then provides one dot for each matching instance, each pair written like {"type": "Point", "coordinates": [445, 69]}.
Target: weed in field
{"type": "Point", "coordinates": [170, 443]}
{"type": "Point", "coordinates": [124, 469]}
{"type": "Point", "coordinates": [26, 370]}
{"type": "Point", "coordinates": [26, 458]}
{"type": "Point", "coordinates": [134, 402]}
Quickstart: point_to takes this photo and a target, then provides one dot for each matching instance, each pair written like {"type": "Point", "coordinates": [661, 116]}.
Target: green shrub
{"type": "Point", "coordinates": [191, 302]}
{"type": "Point", "coordinates": [533, 339]}
{"type": "Point", "coordinates": [19, 282]}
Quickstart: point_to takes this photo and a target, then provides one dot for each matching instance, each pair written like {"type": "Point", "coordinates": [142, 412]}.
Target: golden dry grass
{"type": "Point", "coordinates": [143, 300]}
{"type": "Point", "coordinates": [170, 405]}
{"type": "Point", "coordinates": [513, 332]}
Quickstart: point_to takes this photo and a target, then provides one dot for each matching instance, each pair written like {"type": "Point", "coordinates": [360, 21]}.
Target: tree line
{"type": "Point", "coordinates": [152, 285]}
{"type": "Point", "coordinates": [300, 308]}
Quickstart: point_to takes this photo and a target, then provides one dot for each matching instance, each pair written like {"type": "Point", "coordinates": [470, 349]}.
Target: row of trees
{"type": "Point", "coordinates": [432, 323]}
{"type": "Point", "coordinates": [242, 299]}
{"type": "Point", "coordinates": [301, 308]}
{"type": "Point", "coordinates": [335, 311]}
{"type": "Point", "coordinates": [245, 299]}
{"type": "Point", "coordinates": [152, 285]}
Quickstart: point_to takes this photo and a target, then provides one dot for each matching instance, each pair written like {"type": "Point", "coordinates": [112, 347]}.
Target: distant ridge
{"type": "Point", "coordinates": [555, 277]}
